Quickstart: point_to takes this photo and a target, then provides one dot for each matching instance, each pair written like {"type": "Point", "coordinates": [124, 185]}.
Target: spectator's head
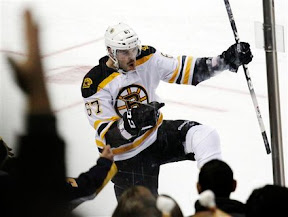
{"type": "Point", "coordinates": [137, 201]}
{"type": "Point", "coordinates": [270, 200]}
{"type": "Point", "coordinates": [217, 176]}
{"type": "Point", "coordinates": [168, 206]}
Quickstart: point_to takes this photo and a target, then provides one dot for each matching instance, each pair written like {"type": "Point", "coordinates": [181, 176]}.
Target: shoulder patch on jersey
{"type": "Point", "coordinates": [96, 79]}
{"type": "Point", "coordinates": [146, 53]}
{"type": "Point", "coordinates": [87, 83]}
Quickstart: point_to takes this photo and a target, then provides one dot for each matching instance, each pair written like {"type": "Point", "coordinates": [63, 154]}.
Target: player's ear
{"type": "Point", "coordinates": [109, 50]}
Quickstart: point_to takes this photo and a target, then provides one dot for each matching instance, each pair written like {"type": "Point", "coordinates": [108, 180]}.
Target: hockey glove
{"type": "Point", "coordinates": [237, 55]}
{"type": "Point", "coordinates": [141, 118]}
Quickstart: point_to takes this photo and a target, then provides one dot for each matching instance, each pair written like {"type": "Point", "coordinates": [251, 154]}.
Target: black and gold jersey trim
{"type": "Point", "coordinates": [182, 74]}
{"type": "Point", "coordinates": [146, 53]}
{"type": "Point", "coordinates": [178, 81]}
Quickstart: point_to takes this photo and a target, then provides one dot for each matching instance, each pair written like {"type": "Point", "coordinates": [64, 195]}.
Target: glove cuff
{"type": "Point", "coordinates": [230, 65]}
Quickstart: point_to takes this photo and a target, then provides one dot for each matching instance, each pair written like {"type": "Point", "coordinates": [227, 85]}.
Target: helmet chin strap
{"type": "Point", "coordinates": [116, 64]}
{"type": "Point", "coordinates": [115, 61]}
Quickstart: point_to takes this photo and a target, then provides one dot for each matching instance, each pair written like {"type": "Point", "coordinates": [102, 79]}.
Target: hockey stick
{"type": "Point", "coordinates": [248, 78]}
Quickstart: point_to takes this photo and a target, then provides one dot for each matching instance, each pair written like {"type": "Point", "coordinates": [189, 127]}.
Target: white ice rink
{"type": "Point", "coordinates": [72, 42]}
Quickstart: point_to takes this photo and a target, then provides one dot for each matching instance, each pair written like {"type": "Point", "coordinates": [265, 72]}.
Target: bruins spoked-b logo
{"type": "Point", "coordinates": [130, 97]}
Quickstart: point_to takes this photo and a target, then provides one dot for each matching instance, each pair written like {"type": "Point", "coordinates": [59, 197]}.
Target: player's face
{"type": "Point", "coordinates": [127, 59]}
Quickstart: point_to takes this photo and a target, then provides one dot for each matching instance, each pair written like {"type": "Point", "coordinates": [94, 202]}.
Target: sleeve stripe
{"type": "Point", "coordinates": [101, 128]}
{"type": "Point", "coordinates": [192, 71]}
{"type": "Point", "coordinates": [100, 144]}
{"type": "Point", "coordinates": [98, 122]}
{"type": "Point", "coordinates": [172, 79]}
{"type": "Point", "coordinates": [104, 131]}
{"type": "Point", "coordinates": [187, 70]}
{"type": "Point", "coordinates": [178, 81]}
{"type": "Point", "coordinates": [184, 71]}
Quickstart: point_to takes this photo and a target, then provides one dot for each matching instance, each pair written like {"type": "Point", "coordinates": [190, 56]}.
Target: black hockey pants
{"type": "Point", "coordinates": [143, 169]}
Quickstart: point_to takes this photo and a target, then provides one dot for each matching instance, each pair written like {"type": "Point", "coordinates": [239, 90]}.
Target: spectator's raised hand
{"type": "Point", "coordinates": [29, 73]}
{"type": "Point", "coordinates": [107, 153]}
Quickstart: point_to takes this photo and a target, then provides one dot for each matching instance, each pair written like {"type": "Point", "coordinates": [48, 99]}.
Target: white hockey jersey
{"type": "Point", "coordinates": [108, 94]}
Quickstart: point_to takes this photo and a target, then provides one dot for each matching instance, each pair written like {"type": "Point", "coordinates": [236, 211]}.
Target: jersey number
{"type": "Point", "coordinates": [89, 105]}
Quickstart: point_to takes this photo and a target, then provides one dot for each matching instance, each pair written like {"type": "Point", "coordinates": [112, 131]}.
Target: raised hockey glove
{"type": "Point", "coordinates": [237, 55]}
{"type": "Point", "coordinates": [143, 117]}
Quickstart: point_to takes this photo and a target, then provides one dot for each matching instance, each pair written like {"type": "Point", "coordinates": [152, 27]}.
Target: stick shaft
{"type": "Point", "coordinates": [248, 79]}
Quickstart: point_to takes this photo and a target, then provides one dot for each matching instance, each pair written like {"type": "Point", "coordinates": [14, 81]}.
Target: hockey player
{"type": "Point", "coordinates": [122, 106]}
